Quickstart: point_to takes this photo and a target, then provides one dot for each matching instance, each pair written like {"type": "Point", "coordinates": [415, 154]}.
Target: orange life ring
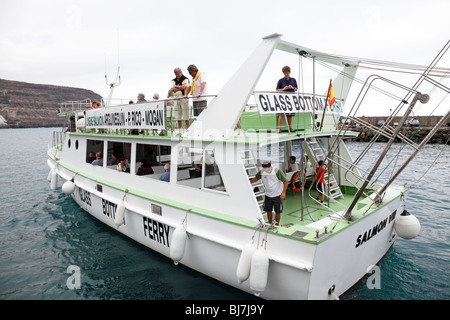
{"type": "Point", "coordinates": [299, 189]}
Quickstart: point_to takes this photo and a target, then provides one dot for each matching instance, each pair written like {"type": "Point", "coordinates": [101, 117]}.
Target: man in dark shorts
{"type": "Point", "coordinates": [275, 184]}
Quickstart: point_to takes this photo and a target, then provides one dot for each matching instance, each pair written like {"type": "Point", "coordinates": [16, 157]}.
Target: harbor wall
{"type": "Point", "coordinates": [415, 133]}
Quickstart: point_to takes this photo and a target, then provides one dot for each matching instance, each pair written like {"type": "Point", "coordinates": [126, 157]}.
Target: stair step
{"type": "Point", "coordinates": [260, 193]}
{"type": "Point", "coordinates": [249, 165]}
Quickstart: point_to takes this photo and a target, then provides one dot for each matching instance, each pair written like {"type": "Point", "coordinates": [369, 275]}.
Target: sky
{"type": "Point", "coordinates": [77, 43]}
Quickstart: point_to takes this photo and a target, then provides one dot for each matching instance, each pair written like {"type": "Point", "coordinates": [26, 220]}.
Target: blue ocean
{"type": "Point", "coordinates": [44, 234]}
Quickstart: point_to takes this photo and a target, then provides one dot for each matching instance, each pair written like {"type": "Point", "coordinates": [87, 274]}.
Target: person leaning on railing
{"type": "Point", "coordinates": [197, 89]}
{"type": "Point", "coordinates": [180, 86]}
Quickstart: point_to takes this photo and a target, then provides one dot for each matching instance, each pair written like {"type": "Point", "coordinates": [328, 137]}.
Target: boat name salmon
{"type": "Point", "coordinates": [369, 234]}
{"type": "Point", "coordinates": [156, 231]}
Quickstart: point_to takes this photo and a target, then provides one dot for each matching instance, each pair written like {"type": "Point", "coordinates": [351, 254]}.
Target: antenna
{"type": "Point", "coordinates": [117, 82]}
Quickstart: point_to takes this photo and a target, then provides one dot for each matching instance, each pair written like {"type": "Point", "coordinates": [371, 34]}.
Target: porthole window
{"type": "Point", "coordinates": [69, 143]}
{"type": "Point", "coordinates": [76, 144]}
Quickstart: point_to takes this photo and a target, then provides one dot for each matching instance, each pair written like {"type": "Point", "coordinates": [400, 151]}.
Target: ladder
{"type": "Point", "coordinates": [331, 186]}
{"type": "Point", "coordinates": [251, 169]}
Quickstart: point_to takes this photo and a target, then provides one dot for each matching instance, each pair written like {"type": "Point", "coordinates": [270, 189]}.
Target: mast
{"type": "Point", "coordinates": [117, 82]}
{"type": "Point", "coordinates": [112, 86]}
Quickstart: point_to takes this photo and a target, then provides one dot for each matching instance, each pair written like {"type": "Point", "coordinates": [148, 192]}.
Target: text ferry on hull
{"type": "Point", "coordinates": [210, 216]}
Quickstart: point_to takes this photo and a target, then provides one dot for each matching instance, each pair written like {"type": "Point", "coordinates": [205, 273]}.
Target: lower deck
{"type": "Point", "coordinates": [312, 209]}
{"type": "Point", "coordinates": [315, 222]}
{"type": "Point", "coordinates": [195, 175]}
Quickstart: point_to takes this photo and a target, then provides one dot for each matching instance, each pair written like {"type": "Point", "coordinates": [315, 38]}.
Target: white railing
{"type": "Point", "coordinates": [74, 106]}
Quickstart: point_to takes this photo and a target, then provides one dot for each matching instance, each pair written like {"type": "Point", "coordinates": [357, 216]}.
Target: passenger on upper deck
{"type": "Point", "coordinates": [287, 84]}
{"type": "Point", "coordinates": [141, 98]}
{"type": "Point", "coordinates": [99, 160]}
{"type": "Point", "coordinates": [156, 96]}
{"type": "Point", "coordinates": [197, 89]}
{"type": "Point", "coordinates": [145, 168]}
{"type": "Point", "coordinates": [95, 105]}
{"type": "Point", "coordinates": [180, 85]}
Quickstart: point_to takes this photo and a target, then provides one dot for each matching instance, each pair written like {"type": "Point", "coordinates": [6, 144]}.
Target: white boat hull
{"type": "Point", "coordinates": [297, 269]}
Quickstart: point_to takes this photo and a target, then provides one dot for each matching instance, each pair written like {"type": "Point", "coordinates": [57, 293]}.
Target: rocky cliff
{"type": "Point", "coordinates": [27, 105]}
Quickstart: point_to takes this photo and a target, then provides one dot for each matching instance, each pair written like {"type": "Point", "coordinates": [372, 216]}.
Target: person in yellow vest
{"type": "Point", "coordinates": [197, 89]}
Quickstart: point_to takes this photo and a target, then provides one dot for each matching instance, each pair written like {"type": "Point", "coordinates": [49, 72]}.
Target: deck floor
{"type": "Point", "coordinates": [312, 211]}
{"type": "Point", "coordinates": [315, 216]}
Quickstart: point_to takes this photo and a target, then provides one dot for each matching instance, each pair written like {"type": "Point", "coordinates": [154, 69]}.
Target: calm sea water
{"type": "Point", "coordinates": [43, 232]}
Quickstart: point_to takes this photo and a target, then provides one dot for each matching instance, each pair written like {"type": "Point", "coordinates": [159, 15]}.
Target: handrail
{"type": "Point", "coordinates": [58, 140]}
{"type": "Point", "coordinates": [74, 106]}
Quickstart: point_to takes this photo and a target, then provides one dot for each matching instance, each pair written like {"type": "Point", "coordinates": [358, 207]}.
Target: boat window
{"type": "Point", "coordinates": [189, 167]}
{"type": "Point", "coordinates": [155, 156]}
{"type": "Point", "coordinates": [117, 150]}
{"type": "Point", "coordinates": [92, 147]}
{"type": "Point", "coordinates": [213, 179]}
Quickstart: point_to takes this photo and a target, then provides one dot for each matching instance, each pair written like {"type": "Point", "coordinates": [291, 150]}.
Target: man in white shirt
{"type": "Point", "coordinates": [197, 89]}
{"type": "Point", "coordinates": [275, 185]}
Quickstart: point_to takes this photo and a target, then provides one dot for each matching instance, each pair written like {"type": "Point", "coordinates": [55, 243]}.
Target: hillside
{"type": "Point", "coordinates": [28, 105]}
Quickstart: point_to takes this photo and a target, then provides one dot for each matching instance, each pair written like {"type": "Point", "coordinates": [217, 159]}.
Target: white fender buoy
{"type": "Point", "coordinates": [49, 177]}
{"type": "Point", "coordinates": [245, 261]}
{"type": "Point", "coordinates": [407, 226]}
{"type": "Point", "coordinates": [53, 180]}
{"type": "Point", "coordinates": [178, 243]}
{"type": "Point", "coordinates": [68, 187]}
{"type": "Point", "coordinates": [120, 211]}
{"type": "Point", "coordinates": [259, 271]}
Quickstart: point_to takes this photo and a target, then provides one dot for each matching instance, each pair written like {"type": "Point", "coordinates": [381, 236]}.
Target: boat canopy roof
{"type": "Point", "coordinates": [219, 119]}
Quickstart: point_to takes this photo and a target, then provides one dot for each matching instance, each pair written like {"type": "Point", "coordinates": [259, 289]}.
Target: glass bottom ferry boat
{"type": "Point", "coordinates": [209, 216]}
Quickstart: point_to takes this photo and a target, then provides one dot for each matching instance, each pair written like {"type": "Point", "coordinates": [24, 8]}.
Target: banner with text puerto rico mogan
{"type": "Point", "coordinates": [149, 115]}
